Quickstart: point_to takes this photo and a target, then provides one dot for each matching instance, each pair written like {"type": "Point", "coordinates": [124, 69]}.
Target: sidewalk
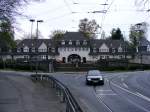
{"type": "Point", "coordinates": [20, 94]}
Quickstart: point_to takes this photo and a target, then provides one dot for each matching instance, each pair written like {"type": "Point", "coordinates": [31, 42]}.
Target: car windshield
{"type": "Point", "coordinates": [94, 72]}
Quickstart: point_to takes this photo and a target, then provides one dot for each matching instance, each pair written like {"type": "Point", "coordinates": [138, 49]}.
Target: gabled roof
{"type": "Point", "coordinates": [109, 43]}
{"type": "Point", "coordinates": [35, 43]}
{"type": "Point", "coordinates": [74, 36]}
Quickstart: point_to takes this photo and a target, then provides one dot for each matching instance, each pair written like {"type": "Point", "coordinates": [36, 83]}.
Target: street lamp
{"type": "Point", "coordinates": [32, 20]}
{"type": "Point", "coordinates": [38, 21]}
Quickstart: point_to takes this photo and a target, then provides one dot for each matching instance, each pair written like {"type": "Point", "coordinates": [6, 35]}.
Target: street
{"type": "Point", "coordinates": [122, 92]}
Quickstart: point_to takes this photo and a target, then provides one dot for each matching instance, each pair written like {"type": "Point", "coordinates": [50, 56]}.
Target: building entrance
{"type": "Point", "coordinates": [74, 58]}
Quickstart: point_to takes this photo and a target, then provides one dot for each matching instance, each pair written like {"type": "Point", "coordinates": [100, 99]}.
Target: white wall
{"type": "Point", "coordinates": [66, 53]}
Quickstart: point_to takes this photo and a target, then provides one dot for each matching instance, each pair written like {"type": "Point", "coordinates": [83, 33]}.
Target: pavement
{"type": "Point", "coordinates": [21, 94]}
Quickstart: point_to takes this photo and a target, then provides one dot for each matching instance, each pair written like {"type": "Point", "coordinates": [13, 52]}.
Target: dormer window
{"type": "Point", "coordinates": [25, 49]}
{"type": "Point", "coordinates": [84, 42]}
{"type": "Point", "coordinates": [119, 49]}
{"type": "Point", "coordinates": [77, 42]}
{"type": "Point", "coordinates": [70, 42]}
{"type": "Point", "coordinates": [63, 42]}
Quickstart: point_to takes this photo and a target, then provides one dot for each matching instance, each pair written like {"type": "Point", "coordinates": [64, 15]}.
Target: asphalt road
{"type": "Point", "coordinates": [18, 93]}
{"type": "Point", "coordinates": [122, 92]}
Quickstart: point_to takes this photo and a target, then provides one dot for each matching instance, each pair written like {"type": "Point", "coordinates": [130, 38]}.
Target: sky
{"type": "Point", "coordinates": [66, 14]}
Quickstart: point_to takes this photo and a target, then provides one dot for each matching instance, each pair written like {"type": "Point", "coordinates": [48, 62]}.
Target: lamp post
{"type": "Point", "coordinates": [32, 20]}
{"type": "Point", "coordinates": [38, 21]}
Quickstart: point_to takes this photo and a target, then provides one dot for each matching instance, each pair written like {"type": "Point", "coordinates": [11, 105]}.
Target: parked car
{"type": "Point", "coordinates": [94, 77]}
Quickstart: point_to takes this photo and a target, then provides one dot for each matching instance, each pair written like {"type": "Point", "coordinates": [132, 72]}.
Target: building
{"type": "Point", "coordinates": [143, 52]}
{"type": "Point", "coordinates": [72, 47]}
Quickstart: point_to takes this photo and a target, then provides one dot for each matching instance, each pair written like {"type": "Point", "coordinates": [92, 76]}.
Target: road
{"type": "Point", "coordinates": [122, 92]}
{"type": "Point", "coordinates": [18, 93]}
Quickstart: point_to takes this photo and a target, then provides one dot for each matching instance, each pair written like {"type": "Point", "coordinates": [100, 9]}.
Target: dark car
{"type": "Point", "coordinates": [94, 77]}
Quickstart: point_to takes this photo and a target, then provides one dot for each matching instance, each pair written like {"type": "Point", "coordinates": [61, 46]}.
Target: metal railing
{"type": "Point", "coordinates": [62, 91]}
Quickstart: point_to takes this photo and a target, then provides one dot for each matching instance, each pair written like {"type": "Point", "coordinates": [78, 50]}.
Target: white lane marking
{"type": "Point", "coordinates": [144, 97]}
{"type": "Point", "coordinates": [136, 94]}
{"type": "Point", "coordinates": [125, 85]}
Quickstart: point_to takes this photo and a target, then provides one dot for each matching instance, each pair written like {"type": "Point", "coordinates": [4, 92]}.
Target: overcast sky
{"type": "Point", "coordinates": [65, 15]}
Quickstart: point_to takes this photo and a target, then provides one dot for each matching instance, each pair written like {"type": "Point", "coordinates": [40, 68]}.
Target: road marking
{"type": "Point", "coordinates": [125, 85]}
{"type": "Point", "coordinates": [100, 100]}
{"type": "Point", "coordinates": [105, 92]}
{"type": "Point", "coordinates": [136, 94]}
{"type": "Point", "coordinates": [108, 94]}
{"type": "Point", "coordinates": [144, 97]}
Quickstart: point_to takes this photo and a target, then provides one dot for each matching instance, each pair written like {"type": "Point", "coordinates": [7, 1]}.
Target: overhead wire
{"type": "Point", "coordinates": [68, 5]}
{"type": "Point", "coordinates": [104, 15]}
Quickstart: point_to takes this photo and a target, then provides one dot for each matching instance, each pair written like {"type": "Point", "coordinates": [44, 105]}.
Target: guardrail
{"type": "Point", "coordinates": [62, 91]}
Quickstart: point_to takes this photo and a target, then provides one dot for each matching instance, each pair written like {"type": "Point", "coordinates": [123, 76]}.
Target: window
{"type": "Point", "coordinates": [84, 42]}
{"type": "Point", "coordinates": [77, 42]}
{"type": "Point", "coordinates": [119, 49]}
{"type": "Point", "coordinates": [26, 57]}
{"type": "Point", "coordinates": [103, 50]}
{"type": "Point", "coordinates": [63, 42]}
{"type": "Point", "coordinates": [53, 50]}
{"type": "Point", "coordinates": [25, 50]}
{"type": "Point", "coordinates": [70, 42]}
{"type": "Point", "coordinates": [107, 57]}
{"type": "Point", "coordinates": [76, 49]}
{"type": "Point", "coordinates": [42, 50]}
{"type": "Point", "coordinates": [113, 50]}
{"type": "Point", "coordinates": [148, 48]}
{"type": "Point", "coordinates": [33, 50]}
{"type": "Point", "coordinates": [102, 57]}
{"type": "Point", "coordinates": [18, 50]}
{"type": "Point", "coordinates": [120, 57]}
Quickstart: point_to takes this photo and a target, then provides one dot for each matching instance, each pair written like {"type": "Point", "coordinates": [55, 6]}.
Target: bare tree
{"type": "Point", "coordinates": [9, 8]}
{"type": "Point", "coordinates": [88, 28]}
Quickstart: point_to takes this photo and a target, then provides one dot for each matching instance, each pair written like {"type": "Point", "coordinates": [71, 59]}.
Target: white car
{"type": "Point", "coordinates": [94, 77]}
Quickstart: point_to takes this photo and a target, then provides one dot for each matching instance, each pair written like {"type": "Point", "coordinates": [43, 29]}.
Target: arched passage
{"type": "Point", "coordinates": [73, 58]}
